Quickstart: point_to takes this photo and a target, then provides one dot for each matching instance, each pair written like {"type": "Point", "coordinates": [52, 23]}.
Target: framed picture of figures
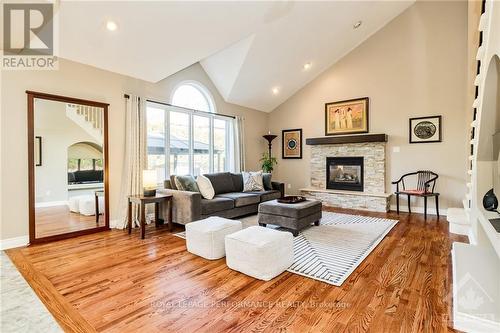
{"type": "Point", "coordinates": [292, 143]}
{"type": "Point", "coordinates": [347, 117]}
{"type": "Point", "coordinates": [425, 129]}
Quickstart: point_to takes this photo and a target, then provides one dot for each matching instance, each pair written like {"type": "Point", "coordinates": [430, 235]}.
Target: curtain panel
{"type": "Point", "coordinates": [237, 162]}
{"type": "Point", "coordinates": [134, 159]}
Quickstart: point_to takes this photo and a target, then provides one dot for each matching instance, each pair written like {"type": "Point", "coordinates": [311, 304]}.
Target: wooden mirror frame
{"type": "Point", "coordinates": [31, 165]}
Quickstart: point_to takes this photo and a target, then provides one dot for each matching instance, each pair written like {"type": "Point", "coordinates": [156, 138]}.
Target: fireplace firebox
{"type": "Point", "coordinates": [344, 173]}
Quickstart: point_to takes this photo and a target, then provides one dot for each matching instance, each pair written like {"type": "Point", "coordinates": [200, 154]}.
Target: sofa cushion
{"type": "Point", "coordinates": [222, 182]}
{"type": "Point", "coordinates": [241, 199]}
{"type": "Point", "coordinates": [237, 182]}
{"type": "Point", "coordinates": [186, 183]}
{"type": "Point", "coordinates": [267, 195]}
{"type": "Point", "coordinates": [266, 181]}
{"type": "Point", "coordinates": [216, 204]}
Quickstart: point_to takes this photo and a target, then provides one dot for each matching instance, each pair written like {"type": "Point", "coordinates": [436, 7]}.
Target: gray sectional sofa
{"type": "Point", "coordinates": [230, 201]}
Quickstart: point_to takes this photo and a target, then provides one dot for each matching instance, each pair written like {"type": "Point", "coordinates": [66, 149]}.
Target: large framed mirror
{"type": "Point", "coordinates": [68, 167]}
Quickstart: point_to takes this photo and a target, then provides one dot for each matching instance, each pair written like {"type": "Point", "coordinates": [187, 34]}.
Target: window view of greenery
{"type": "Point", "coordinates": [98, 165]}
{"type": "Point", "coordinates": [80, 164]}
{"type": "Point", "coordinates": [72, 164]}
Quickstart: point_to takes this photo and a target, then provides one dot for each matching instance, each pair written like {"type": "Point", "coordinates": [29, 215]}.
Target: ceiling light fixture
{"type": "Point", "coordinates": [357, 24]}
{"type": "Point", "coordinates": [276, 91]}
{"type": "Point", "coordinates": [111, 25]}
{"type": "Point", "coordinates": [307, 66]}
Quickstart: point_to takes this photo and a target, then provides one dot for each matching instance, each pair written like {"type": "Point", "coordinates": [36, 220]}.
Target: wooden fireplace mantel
{"type": "Point", "coordinates": [336, 140]}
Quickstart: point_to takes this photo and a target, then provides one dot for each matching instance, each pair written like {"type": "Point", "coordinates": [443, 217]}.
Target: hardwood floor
{"type": "Point", "coordinates": [57, 220]}
{"type": "Point", "coordinates": [119, 283]}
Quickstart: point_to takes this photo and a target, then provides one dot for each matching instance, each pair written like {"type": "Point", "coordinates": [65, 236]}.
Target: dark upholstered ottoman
{"type": "Point", "coordinates": [294, 217]}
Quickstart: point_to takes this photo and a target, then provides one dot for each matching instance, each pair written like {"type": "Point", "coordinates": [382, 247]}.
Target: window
{"type": "Point", "coordinates": [83, 164]}
{"type": "Point", "coordinates": [186, 141]}
{"type": "Point", "coordinates": [155, 122]}
{"type": "Point", "coordinates": [193, 96]}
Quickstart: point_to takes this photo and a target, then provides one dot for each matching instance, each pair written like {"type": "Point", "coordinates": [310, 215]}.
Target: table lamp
{"type": "Point", "coordinates": [149, 182]}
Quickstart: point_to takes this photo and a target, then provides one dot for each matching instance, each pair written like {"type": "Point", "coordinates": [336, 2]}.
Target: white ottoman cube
{"type": "Point", "coordinates": [87, 205]}
{"type": "Point", "coordinates": [205, 238]}
{"type": "Point", "coordinates": [259, 252]}
{"type": "Point", "coordinates": [74, 203]}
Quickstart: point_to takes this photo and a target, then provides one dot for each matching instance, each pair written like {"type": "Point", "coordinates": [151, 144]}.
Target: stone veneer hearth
{"type": "Point", "coordinates": [373, 198]}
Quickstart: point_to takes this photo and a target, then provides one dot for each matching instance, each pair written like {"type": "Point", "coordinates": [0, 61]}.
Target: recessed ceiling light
{"type": "Point", "coordinates": [111, 25]}
{"type": "Point", "coordinates": [357, 24]}
{"type": "Point", "coordinates": [307, 66]}
{"type": "Point", "coordinates": [276, 90]}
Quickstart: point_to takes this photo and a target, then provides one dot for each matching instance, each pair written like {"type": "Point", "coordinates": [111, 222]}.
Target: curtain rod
{"type": "Point", "coordinates": [197, 111]}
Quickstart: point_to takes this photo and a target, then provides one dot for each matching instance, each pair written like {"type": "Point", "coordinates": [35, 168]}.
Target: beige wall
{"type": "Point", "coordinates": [82, 81]}
{"type": "Point", "coordinates": [414, 66]}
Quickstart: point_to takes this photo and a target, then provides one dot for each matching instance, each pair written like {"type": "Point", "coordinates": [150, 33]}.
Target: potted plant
{"type": "Point", "coordinates": [268, 162]}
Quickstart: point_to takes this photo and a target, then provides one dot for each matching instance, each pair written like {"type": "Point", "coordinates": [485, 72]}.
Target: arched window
{"type": "Point", "coordinates": [193, 95]}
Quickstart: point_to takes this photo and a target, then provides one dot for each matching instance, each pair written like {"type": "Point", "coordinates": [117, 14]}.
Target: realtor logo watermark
{"type": "Point", "coordinates": [28, 36]}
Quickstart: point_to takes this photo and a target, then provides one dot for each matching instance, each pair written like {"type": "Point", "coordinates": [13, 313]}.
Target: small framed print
{"type": "Point", "coordinates": [38, 151]}
{"type": "Point", "coordinates": [425, 129]}
{"type": "Point", "coordinates": [292, 143]}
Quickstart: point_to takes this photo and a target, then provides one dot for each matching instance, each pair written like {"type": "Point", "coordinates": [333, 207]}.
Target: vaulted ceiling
{"type": "Point", "coordinates": [247, 48]}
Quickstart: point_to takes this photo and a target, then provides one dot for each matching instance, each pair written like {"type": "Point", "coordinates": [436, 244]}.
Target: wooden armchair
{"type": "Point", "coordinates": [426, 182]}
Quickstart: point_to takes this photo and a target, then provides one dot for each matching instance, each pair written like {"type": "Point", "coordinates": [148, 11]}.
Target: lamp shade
{"type": "Point", "coordinates": [149, 179]}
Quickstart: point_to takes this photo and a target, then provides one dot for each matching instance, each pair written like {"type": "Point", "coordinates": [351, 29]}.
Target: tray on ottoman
{"type": "Point", "coordinates": [294, 217]}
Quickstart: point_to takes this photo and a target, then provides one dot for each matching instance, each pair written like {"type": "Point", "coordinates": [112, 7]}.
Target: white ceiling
{"type": "Point", "coordinates": [246, 48]}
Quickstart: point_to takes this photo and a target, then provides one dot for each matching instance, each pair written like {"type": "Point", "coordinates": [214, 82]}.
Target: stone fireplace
{"type": "Point", "coordinates": [349, 172]}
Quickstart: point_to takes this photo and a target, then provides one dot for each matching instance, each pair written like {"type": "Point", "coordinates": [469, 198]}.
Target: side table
{"type": "Point", "coordinates": [142, 201]}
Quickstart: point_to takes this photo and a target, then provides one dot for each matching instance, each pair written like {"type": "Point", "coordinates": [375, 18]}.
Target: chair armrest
{"type": "Point", "coordinates": [403, 176]}
{"type": "Point", "coordinates": [186, 206]}
{"type": "Point", "coordinates": [277, 186]}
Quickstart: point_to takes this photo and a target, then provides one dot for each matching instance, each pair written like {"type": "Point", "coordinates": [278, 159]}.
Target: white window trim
{"type": "Point", "coordinates": [202, 88]}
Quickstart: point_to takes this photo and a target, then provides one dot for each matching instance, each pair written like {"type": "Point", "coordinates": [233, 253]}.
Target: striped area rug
{"type": "Point", "coordinates": [331, 251]}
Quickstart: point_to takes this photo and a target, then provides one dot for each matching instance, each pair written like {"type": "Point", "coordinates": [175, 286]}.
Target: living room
{"type": "Point", "coordinates": [250, 166]}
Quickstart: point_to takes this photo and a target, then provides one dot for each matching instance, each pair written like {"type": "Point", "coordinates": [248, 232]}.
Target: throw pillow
{"type": "Point", "coordinates": [186, 183]}
{"type": "Point", "coordinates": [252, 181]}
{"type": "Point", "coordinates": [205, 186]}
{"type": "Point", "coordinates": [266, 180]}
{"type": "Point", "coordinates": [172, 182]}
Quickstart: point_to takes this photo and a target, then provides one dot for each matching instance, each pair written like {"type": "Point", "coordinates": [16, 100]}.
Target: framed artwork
{"type": "Point", "coordinates": [347, 117]}
{"type": "Point", "coordinates": [38, 151]}
{"type": "Point", "coordinates": [292, 143]}
{"type": "Point", "coordinates": [425, 129]}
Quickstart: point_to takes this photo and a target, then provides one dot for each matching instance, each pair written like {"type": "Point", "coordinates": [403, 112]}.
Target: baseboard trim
{"type": "Point", "coordinates": [51, 204]}
{"type": "Point", "coordinates": [417, 209]}
{"type": "Point", "coordinates": [116, 224]}
{"type": "Point", "coordinates": [14, 242]}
